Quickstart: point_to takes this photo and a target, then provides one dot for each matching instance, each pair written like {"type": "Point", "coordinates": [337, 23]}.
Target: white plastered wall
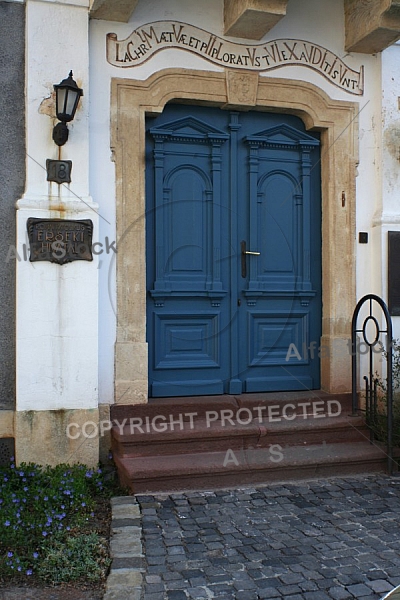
{"type": "Point", "coordinates": [57, 313]}
{"type": "Point", "coordinates": [387, 215]}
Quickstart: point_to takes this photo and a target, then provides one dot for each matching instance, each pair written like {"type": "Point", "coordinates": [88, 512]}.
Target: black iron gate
{"type": "Point", "coordinates": [378, 405]}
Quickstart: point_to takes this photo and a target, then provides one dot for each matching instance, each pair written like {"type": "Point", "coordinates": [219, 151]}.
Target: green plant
{"type": "Point", "coordinates": [379, 421]}
{"type": "Point", "coordinates": [83, 556]}
{"type": "Point", "coordinates": [44, 506]}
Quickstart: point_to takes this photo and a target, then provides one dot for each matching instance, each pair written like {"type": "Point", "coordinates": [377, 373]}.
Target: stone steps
{"type": "Point", "coordinates": [201, 435]}
{"type": "Point", "coordinates": [200, 443]}
{"type": "Point", "coordinates": [247, 467]}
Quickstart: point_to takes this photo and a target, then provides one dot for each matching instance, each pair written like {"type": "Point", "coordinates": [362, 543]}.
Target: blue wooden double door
{"type": "Point", "coordinates": [233, 227]}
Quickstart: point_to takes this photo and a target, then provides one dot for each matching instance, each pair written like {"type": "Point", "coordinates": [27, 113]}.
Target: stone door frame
{"type": "Point", "coordinates": [131, 101]}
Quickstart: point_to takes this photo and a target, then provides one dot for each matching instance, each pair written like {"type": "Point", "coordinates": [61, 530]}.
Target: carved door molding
{"type": "Point", "coordinates": [131, 101]}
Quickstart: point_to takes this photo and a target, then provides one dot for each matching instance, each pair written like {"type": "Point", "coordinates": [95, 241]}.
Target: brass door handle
{"type": "Point", "coordinates": [244, 252]}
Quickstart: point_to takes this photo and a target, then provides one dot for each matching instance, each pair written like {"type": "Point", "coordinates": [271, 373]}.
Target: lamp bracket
{"type": "Point", "coordinates": [60, 134]}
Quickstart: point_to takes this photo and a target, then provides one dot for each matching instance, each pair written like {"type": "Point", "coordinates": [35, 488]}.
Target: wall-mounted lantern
{"type": "Point", "coordinates": [67, 99]}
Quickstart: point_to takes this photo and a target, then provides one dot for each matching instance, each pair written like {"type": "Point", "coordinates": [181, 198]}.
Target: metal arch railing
{"type": "Point", "coordinates": [371, 380]}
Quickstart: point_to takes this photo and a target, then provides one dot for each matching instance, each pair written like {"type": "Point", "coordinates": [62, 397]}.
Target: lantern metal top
{"type": "Point", "coordinates": [69, 83]}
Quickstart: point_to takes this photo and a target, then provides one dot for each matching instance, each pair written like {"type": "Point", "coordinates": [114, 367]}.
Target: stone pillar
{"type": "Point", "coordinates": [387, 217]}
{"type": "Point", "coordinates": [57, 305]}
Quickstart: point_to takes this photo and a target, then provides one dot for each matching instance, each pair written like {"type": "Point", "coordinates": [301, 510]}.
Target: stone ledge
{"type": "Point", "coordinates": [120, 500]}
{"type": "Point", "coordinates": [112, 10]}
{"type": "Point", "coordinates": [252, 19]}
{"type": "Point", "coordinates": [125, 548]}
{"type": "Point", "coordinates": [135, 562]}
{"type": "Point", "coordinates": [125, 579]}
{"type": "Point", "coordinates": [119, 524]}
{"type": "Point", "coordinates": [371, 25]}
{"type": "Point", "coordinates": [123, 594]}
{"type": "Point", "coordinates": [125, 511]}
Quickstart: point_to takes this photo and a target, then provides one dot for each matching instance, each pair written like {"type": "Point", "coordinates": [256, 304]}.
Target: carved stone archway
{"type": "Point", "coordinates": [131, 101]}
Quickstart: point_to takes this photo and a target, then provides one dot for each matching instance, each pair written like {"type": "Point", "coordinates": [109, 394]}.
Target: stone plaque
{"type": "Point", "coordinates": [60, 240]}
{"type": "Point", "coordinates": [242, 88]}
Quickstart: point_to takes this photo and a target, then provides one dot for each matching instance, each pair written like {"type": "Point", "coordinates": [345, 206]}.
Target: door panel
{"type": "Point", "coordinates": [219, 183]}
{"type": "Point", "coordinates": [281, 303]}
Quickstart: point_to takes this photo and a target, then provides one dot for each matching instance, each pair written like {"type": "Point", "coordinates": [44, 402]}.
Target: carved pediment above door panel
{"type": "Point", "coordinates": [112, 10]}
{"type": "Point", "coordinates": [252, 19]}
{"type": "Point", "coordinates": [371, 25]}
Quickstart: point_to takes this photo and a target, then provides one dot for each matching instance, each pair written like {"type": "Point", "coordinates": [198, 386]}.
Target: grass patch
{"type": "Point", "coordinates": [50, 529]}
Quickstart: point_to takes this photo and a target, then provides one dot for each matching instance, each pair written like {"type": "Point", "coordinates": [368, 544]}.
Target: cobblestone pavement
{"type": "Point", "coordinates": [318, 540]}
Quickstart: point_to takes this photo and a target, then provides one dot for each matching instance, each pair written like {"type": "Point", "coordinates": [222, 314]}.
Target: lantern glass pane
{"type": "Point", "coordinates": [70, 105]}
{"type": "Point", "coordinates": [61, 93]}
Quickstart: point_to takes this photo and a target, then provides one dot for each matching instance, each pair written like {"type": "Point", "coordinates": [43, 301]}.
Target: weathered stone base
{"type": "Point", "coordinates": [6, 423]}
{"type": "Point", "coordinates": [104, 433]}
{"type": "Point", "coordinates": [131, 372]}
{"type": "Point", "coordinates": [51, 437]}
{"type": "Point", "coordinates": [335, 355]}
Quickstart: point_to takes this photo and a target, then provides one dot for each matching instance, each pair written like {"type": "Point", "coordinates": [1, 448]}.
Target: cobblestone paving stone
{"type": "Point", "coordinates": [336, 538]}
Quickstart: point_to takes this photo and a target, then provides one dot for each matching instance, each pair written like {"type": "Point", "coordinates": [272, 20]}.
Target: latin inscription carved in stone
{"type": "Point", "coordinates": [148, 39]}
{"type": "Point", "coordinates": [60, 240]}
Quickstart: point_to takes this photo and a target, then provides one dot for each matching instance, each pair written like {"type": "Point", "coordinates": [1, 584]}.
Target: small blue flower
{"type": "Point", "coordinates": [36, 555]}
{"type": "Point", "coordinates": [9, 554]}
{"type": "Point", "coordinates": [7, 523]}
{"type": "Point", "coordinates": [29, 572]}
